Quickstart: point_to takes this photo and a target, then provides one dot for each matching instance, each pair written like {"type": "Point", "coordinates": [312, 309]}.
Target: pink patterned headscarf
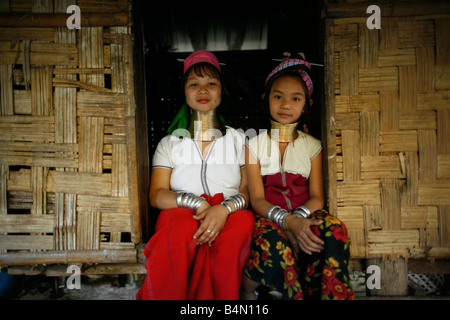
{"type": "Point", "coordinates": [200, 56]}
{"type": "Point", "coordinates": [294, 65]}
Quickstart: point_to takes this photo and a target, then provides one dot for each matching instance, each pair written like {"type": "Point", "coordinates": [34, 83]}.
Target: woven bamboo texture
{"type": "Point", "coordinates": [388, 114]}
{"type": "Point", "coordinates": [65, 142]}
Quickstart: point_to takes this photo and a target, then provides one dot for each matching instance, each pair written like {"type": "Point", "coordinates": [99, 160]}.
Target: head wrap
{"type": "Point", "coordinates": [201, 56]}
{"type": "Point", "coordinates": [181, 119]}
{"type": "Point", "coordinates": [297, 65]}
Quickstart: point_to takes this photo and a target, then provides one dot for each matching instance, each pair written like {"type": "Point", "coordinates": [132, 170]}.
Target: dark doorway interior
{"type": "Point", "coordinates": [246, 40]}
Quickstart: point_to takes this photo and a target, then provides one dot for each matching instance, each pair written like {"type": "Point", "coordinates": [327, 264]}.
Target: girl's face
{"type": "Point", "coordinates": [203, 93]}
{"type": "Point", "coordinates": [287, 99]}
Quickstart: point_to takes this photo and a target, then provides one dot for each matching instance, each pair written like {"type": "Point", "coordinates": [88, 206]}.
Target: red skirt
{"type": "Point", "coordinates": [178, 269]}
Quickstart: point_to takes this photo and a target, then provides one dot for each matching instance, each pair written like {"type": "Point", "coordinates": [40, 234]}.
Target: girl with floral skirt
{"type": "Point", "coordinates": [298, 250]}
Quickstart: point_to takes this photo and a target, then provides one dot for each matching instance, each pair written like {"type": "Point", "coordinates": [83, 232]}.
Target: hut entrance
{"type": "Point", "coordinates": [246, 40]}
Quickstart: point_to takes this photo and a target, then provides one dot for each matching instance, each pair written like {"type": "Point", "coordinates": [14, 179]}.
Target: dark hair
{"type": "Point", "coordinates": [202, 69]}
{"type": "Point", "coordinates": [304, 117]}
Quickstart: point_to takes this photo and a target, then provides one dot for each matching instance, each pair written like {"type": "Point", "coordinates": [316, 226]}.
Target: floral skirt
{"type": "Point", "coordinates": [322, 275]}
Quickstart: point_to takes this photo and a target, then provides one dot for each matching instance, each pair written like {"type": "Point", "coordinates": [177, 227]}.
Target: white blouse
{"type": "Point", "coordinates": [218, 172]}
{"type": "Point", "coordinates": [297, 157]}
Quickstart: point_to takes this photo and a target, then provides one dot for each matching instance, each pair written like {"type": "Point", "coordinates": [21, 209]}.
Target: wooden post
{"type": "Point", "coordinates": [393, 277]}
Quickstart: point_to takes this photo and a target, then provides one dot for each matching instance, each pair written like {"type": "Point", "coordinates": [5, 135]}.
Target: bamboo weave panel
{"type": "Point", "coordinates": [63, 135]}
{"type": "Point", "coordinates": [391, 115]}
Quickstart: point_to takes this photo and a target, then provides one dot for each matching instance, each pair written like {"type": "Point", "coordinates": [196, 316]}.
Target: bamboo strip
{"type": "Point", "coordinates": [404, 243]}
{"type": "Point", "coordinates": [68, 256]}
{"type": "Point", "coordinates": [434, 101]}
{"type": "Point", "coordinates": [396, 57]}
{"type": "Point", "coordinates": [427, 154]}
{"type": "Point", "coordinates": [25, 223]}
{"type": "Point", "coordinates": [443, 165]}
{"type": "Point", "coordinates": [391, 203]}
{"type": "Point", "coordinates": [370, 133]}
{"type": "Point", "coordinates": [442, 77]}
{"type": "Point", "coordinates": [351, 155]}
{"type": "Point", "coordinates": [359, 193]}
{"type": "Point", "coordinates": [400, 141]}
{"type": "Point", "coordinates": [21, 242]}
{"type": "Point", "coordinates": [40, 20]}
{"type": "Point", "coordinates": [6, 90]}
{"type": "Point", "coordinates": [385, 166]}
{"type": "Point", "coordinates": [419, 217]}
{"type": "Point", "coordinates": [389, 111]}
{"type": "Point", "coordinates": [434, 192]}
{"type": "Point", "coordinates": [79, 183]}
{"type": "Point", "coordinates": [378, 79]}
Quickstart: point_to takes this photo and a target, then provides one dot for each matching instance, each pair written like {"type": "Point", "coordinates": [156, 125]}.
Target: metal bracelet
{"type": "Point", "coordinates": [302, 212]}
{"type": "Point", "coordinates": [238, 200]}
{"type": "Point", "coordinates": [278, 215]}
{"type": "Point", "coordinates": [226, 205]}
{"type": "Point", "coordinates": [189, 200]}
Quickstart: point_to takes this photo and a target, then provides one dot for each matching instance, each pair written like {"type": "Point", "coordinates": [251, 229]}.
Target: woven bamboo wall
{"type": "Point", "coordinates": [388, 115]}
{"type": "Point", "coordinates": [67, 129]}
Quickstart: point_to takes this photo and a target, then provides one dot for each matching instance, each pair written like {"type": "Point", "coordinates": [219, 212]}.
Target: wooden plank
{"type": "Point", "coordinates": [381, 166]}
{"type": "Point", "coordinates": [115, 222]}
{"type": "Point", "coordinates": [368, 46]}
{"type": "Point", "coordinates": [27, 128]}
{"type": "Point", "coordinates": [419, 217]}
{"type": "Point", "coordinates": [352, 216]}
{"type": "Point", "coordinates": [391, 203]}
{"type": "Point", "coordinates": [347, 120]}
{"type": "Point", "coordinates": [21, 242]}
{"type": "Point", "coordinates": [407, 89]}
{"type": "Point", "coordinates": [351, 155]}
{"type": "Point", "coordinates": [79, 183]}
{"type": "Point", "coordinates": [443, 131]}
{"type": "Point", "coordinates": [88, 230]}
{"type": "Point", "coordinates": [370, 133]}
{"type": "Point", "coordinates": [6, 90]}
{"type": "Point", "coordinates": [130, 112]}
{"type": "Point", "coordinates": [26, 33]}
{"type": "Point", "coordinates": [400, 141]}
{"type": "Point", "coordinates": [91, 54]}
{"type": "Point", "coordinates": [434, 101]}
{"type": "Point", "coordinates": [365, 192]}
{"type": "Point", "coordinates": [396, 57]}
{"type": "Point", "coordinates": [378, 79]}
{"type": "Point", "coordinates": [442, 77]}
{"type": "Point", "coordinates": [91, 144]}
{"type": "Point", "coordinates": [397, 242]}
{"type": "Point", "coordinates": [427, 154]}
{"type": "Point", "coordinates": [26, 223]}
{"type": "Point", "coordinates": [443, 165]}
{"type": "Point", "coordinates": [388, 9]}
{"type": "Point", "coordinates": [68, 256]}
{"type": "Point", "coordinates": [434, 192]}
{"type": "Point", "coordinates": [416, 33]}
{"type": "Point", "coordinates": [40, 20]}
{"type": "Point", "coordinates": [410, 193]}
{"type": "Point", "coordinates": [442, 41]}
{"type": "Point", "coordinates": [111, 205]}
{"type": "Point", "coordinates": [389, 111]}
{"type": "Point", "coordinates": [348, 72]}
{"type": "Point", "coordinates": [425, 73]}
{"type": "Point", "coordinates": [444, 225]}
{"type": "Point", "coordinates": [418, 120]}
{"type": "Point", "coordinates": [345, 37]}
{"type": "Point", "coordinates": [22, 102]}
{"type": "Point", "coordinates": [365, 102]}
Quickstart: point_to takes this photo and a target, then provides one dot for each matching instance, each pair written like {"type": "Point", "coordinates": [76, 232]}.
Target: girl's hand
{"type": "Point", "coordinates": [212, 220]}
{"type": "Point", "coordinates": [302, 234]}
